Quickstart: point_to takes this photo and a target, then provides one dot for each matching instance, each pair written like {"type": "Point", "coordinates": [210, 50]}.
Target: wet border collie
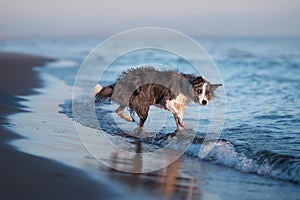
{"type": "Point", "coordinates": [139, 88]}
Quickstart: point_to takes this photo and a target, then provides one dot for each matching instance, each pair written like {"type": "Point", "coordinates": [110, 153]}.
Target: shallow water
{"type": "Point", "coordinates": [261, 131]}
{"type": "Point", "coordinates": [262, 112]}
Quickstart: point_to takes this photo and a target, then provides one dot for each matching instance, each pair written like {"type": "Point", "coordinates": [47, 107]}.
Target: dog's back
{"type": "Point", "coordinates": [133, 79]}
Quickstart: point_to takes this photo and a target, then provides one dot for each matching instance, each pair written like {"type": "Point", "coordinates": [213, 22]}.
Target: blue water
{"type": "Point", "coordinates": [261, 78]}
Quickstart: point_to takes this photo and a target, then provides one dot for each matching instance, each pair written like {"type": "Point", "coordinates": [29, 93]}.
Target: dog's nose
{"type": "Point", "coordinates": [204, 102]}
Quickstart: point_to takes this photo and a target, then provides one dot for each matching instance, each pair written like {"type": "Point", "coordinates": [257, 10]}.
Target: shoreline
{"type": "Point", "coordinates": [26, 176]}
{"type": "Point", "coordinates": [55, 165]}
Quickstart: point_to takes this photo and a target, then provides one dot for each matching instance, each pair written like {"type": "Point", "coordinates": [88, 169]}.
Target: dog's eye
{"type": "Point", "coordinates": [199, 91]}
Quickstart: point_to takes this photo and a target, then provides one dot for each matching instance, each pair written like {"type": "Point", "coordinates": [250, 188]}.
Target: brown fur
{"type": "Point", "coordinates": [140, 88]}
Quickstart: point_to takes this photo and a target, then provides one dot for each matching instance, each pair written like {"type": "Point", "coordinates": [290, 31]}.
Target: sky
{"type": "Point", "coordinates": [195, 17]}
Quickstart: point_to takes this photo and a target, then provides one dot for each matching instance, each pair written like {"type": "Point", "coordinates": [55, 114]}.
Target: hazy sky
{"type": "Point", "coordinates": [211, 17]}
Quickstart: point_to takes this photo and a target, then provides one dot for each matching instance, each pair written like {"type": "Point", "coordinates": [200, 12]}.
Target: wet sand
{"type": "Point", "coordinates": [25, 176]}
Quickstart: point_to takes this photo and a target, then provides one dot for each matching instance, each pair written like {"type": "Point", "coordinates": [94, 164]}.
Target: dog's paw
{"type": "Point", "coordinates": [181, 124]}
{"type": "Point", "coordinates": [180, 128]}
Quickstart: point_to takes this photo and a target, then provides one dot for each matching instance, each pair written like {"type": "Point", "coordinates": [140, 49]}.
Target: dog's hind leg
{"type": "Point", "coordinates": [143, 114]}
{"type": "Point", "coordinates": [120, 112]}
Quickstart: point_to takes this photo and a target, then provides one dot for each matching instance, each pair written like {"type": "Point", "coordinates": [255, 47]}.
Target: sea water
{"type": "Point", "coordinates": [261, 133]}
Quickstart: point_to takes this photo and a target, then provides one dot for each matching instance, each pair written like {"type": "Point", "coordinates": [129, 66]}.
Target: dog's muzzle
{"type": "Point", "coordinates": [201, 101]}
{"type": "Point", "coordinates": [204, 102]}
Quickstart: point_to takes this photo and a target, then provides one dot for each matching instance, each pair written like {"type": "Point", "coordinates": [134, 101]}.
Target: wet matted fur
{"type": "Point", "coordinates": [139, 88]}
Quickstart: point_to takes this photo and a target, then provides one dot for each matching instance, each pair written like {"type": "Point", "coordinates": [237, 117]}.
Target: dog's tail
{"type": "Point", "coordinates": [100, 93]}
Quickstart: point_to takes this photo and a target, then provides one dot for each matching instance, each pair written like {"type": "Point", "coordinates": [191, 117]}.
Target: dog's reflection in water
{"type": "Point", "coordinates": [167, 181]}
{"type": "Point", "coordinates": [136, 162]}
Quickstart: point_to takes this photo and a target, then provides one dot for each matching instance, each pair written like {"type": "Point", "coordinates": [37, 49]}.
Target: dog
{"type": "Point", "coordinates": [140, 88]}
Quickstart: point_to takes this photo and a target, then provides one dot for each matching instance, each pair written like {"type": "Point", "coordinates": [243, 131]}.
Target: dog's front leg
{"type": "Point", "coordinates": [179, 121]}
{"type": "Point", "coordinates": [170, 106]}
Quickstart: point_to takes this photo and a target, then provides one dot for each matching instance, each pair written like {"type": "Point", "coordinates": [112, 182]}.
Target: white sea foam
{"type": "Point", "coordinates": [64, 63]}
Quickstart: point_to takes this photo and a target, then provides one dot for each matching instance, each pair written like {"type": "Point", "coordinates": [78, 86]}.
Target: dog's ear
{"type": "Point", "coordinates": [189, 76]}
{"type": "Point", "coordinates": [213, 87]}
{"type": "Point", "coordinates": [196, 80]}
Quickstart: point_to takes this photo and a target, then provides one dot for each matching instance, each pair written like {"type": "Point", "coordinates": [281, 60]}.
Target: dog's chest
{"type": "Point", "coordinates": [181, 101]}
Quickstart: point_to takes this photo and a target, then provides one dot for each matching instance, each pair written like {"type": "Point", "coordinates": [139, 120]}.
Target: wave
{"type": "Point", "coordinates": [242, 158]}
{"type": "Point", "coordinates": [236, 156]}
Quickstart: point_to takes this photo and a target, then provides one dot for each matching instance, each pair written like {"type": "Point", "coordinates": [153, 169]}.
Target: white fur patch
{"type": "Point", "coordinates": [95, 90]}
{"type": "Point", "coordinates": [181, 100]}
{"type": "Point", "coordinates": [203, 96]}
{"type": "Point", "coordinates": [170, 105]}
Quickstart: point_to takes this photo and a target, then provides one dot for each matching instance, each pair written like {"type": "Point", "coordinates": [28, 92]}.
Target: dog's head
{"type": "Point", "coordinates": [203, 90]}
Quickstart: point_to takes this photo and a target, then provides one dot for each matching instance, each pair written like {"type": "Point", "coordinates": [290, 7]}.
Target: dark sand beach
{"type": "Point", "coordinates": [25, 176]}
